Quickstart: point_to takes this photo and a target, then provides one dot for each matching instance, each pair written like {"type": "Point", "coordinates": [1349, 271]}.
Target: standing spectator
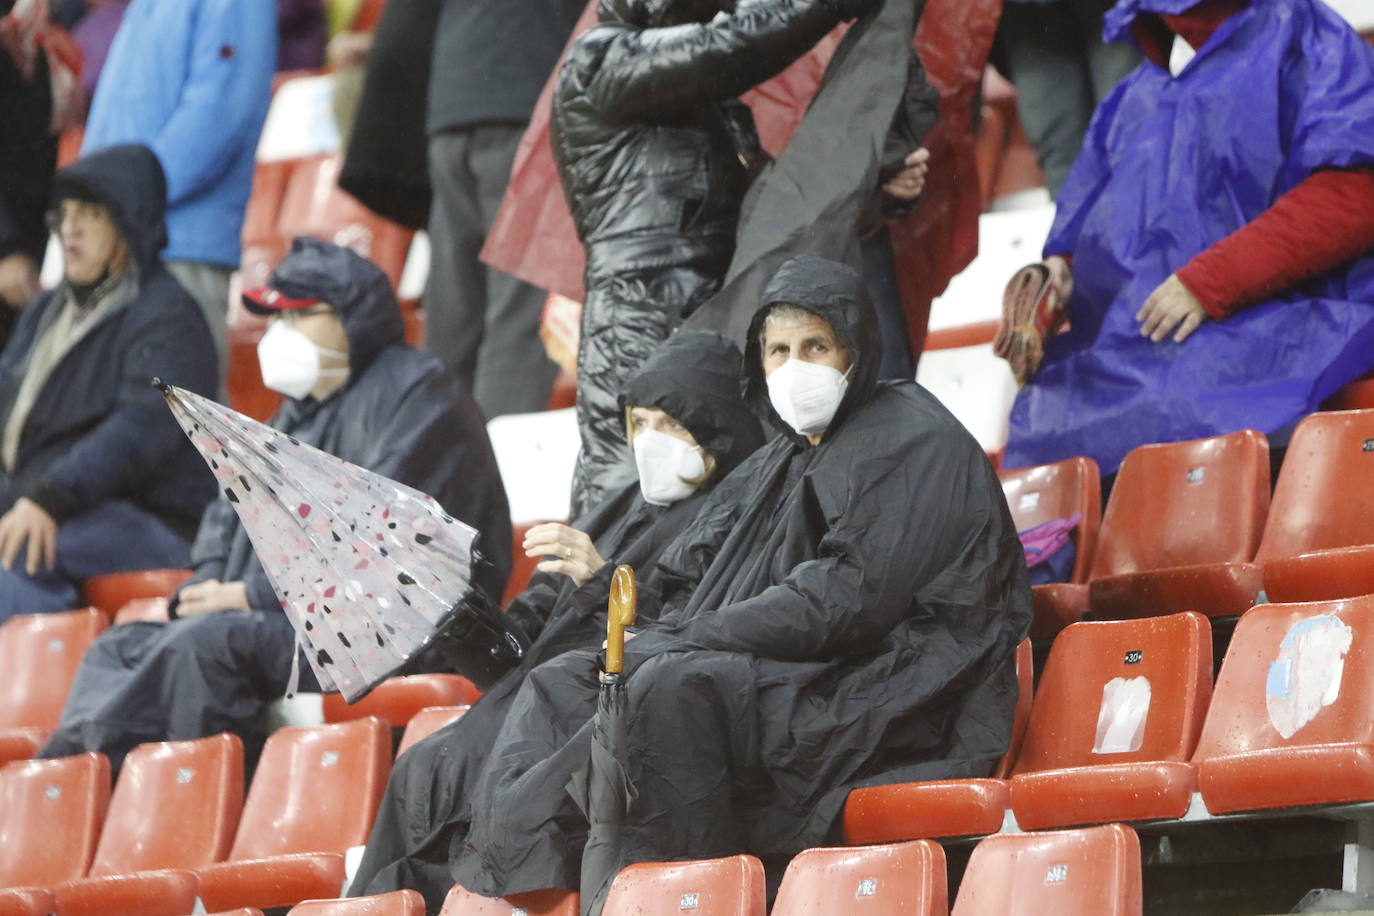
{"type": "Point", "coordinates": [490, 62]}
{"type": "Point", "coordinates": [300, 34]}
{"type": "Point", "coordinates": [192, 79]}
{"type": "Point", "coordinates": [94, 34]}
{"type": "Point", "coordinates": [1061, 69]}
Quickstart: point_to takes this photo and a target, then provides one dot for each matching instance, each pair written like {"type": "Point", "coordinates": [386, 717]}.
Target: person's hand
{"type": "Point", "coordinates": [347, 49]}
{"type": "Point", "coordinates": [572, 552]}
{"type": "Point", "coordinates": [18, 279]}
{"type": "Point", "coordinates": [211, 597]}
{"type": "Point", "coordinates": [911, 180]}
{"type": "Point", "coordinates": [1170, 306]}
{"type": "Point", "coordinates": [1061, 275]}
{"type": "Point", "coordinates": [28, 523]}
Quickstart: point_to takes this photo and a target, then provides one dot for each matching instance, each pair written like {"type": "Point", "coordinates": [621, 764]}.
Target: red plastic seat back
{"type": "Point", "coordinates": [397, 699]}
{"type": "Point", "coordinates": [1186, 503]}
{"type": "Point", "coordinates": [426, 722]}
{"type": "Point", "coordinates": [462, 902]}
{"type": "Point", "coordinates": [39, 655]}
{"type": "Point", "coordinates": [732, 886]}
{"type": "Point", "coordinates": [1121, 691]}
{"type": "Point", "coordinates": [112, 592]}
{"type": "Point", "coordinates": [175, 806]}
{"type": "Point", "coordinates": [1025, 687]}
{"type": "Point", "coordinates": [315, 789]}
{"type": "Point", "coordinates": [898, 879]}
{"type": "Point", "coordinates": [1052, 491]}
{"type": "Point", "coordinates": [50, 815]}
{"type": "Point", "coordinates": [1094, 871]}
{"type": "Point", "coordinates": [396, 903]}
{"type": "Point", "coordinates": [1318, 502]}
{"type": "Point", "coordinates": [1295, 675]}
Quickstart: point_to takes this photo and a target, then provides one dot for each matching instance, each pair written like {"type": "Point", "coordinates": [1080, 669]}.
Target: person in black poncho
{"type": "Point", "coordinates": [842, 612]}
{"type": "Point", "coordinates": [690, 383]}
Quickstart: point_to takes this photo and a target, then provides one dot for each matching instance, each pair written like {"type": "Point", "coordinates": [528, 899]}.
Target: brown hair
{"type": "Point", "coordinates": [707, 458]}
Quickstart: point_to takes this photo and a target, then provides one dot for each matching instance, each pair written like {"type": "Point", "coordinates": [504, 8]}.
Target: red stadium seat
{"type": "Point", "coordinates": [1051, 491]}
{"type": "Point", "coordinates": [247, 394]}
{"type": "Point", "coordinates": [901, 879]}
{"type": "Point", "coordinates": [942, 807]}
{"type": "Point", "coordinates": [462, 902]}
{"type": "Point", "coordinates": [426, 722]}
{"type": "Point", "coordinates": [263, 245]}
{"type": "Point", "coordinates": [397, 699]}
{"type": "Point", "coordinates": [1181, 528]}
{"type": "Point", "coordinates": [1292, 719]}
{"type": "Point", "coordinates": [25, 901]}
{"type": "Point", "coordinates": [241, 911]}
{"type": "Point", "coordinates": [314, 795]}
{"type": "Point", "coordinates": [1094, 871]}
{"type": "Point", "coordinates": [110, 593]}
{"type": "Point", "coordinates": [50, 816]}
{"type": "Point", "coordinates": [396, 903]}
{"type": "Point", "coordinates": [39, 654]}
{"type": "Point", "coordinates": [174, 808]}
{"type": "Point", "coordinates": [1319, 540]}
{"type": "Point", "coordinates": [1116, 718]}
{"type": "Point", "coordinates": [732, 886]}
{"type": "Point", "coordinates": [142, 610]}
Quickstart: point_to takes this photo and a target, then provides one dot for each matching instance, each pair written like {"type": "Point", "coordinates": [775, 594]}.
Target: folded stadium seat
{"type": "Point", "coordinates": [1092, 871]}
{"type": "Point", "coordinates": [1181, 528]}
{"type": "Point", "coordinates": [313, 796]}
{"type": "Point", "coordinates": [1357, 395]}
{"type": "Point", "coordinates": [263, 246]}
{"type": "Point", "coordinates": [397, 699]}
{"type": "Point", "coordinates": [1115, 721]}
{"type": "Point", "coordinates": [110, 593]}
{"type": "Point", "coordinates": [900, 879]}
{"type": "Point", "coordinates": [426, 722]}
{"type": "Point", "coordinates": [1053, 491]}
{"type": "Point", "coordinates": [241, 911]}
{"type": "Point", "coordinates": [142, 610]}
{"type": "Point", "coordinates": [396, 903]}
{"type": "Point", "coordinates": [462, 902]}
{"type": "Point", "coordinates": [25, 901]}
{"type": "Point", "coordinates": [942, 807]}
{"type": "Point", "coordinates": [39, 654]}
{"type": "Point", "coordinates": [174, 808]}
{"type": "Point", "coordinates": [1292, 719]}
{"type": "Point", "coordinates": [732, 886]}
{"type": "Point", "coordinates": [50, 816]}
{"type": "Point", "coordinates": [1319, 540]}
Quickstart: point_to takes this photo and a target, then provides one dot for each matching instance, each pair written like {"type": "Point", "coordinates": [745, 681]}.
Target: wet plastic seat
{"type": "Point", "coordinates": [50, 816]}
{"type": "Point", "coordinates": [1053, 491]}
{"type": "Point", "coordinates": [1181, 529]}
{"type": "Point", "coordinates": [898, 879]}
{"type": "Point", "coordinates": [174, 808]}
{"type": "Point", "coordinates": [313, 796]}
{"type": "Point", "coordinates": [397, 699]}
{"type": "Point", "coordinates": [112, 592]}
{"type": "Point", "coordinates": [1319, 540]}
{"type": "Point", "coordinates": [732, 886]}
{"type": "Point", "coordinates": [942, 807]}
{"type": "Point", "coordinates": [462, 902]}
{"type": "Point", "coordinates": [426, 722]}
{"type": "Point", "coordinates": [1092, 871]}
{"type": "Point", "coordinates": [25, 901]}
{"type": "Point", "coordinates": [396, 903]}
{"type": "Point", "coordinates": [39, 655]}
{"type": "Point", "coordinates": [1115, 721]}
{"type": "Point", "coordinates": [1292, 718]}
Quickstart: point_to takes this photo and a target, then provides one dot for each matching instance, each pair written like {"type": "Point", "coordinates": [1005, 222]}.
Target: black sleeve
{"type": "Point", "coordinates": [916, 114]}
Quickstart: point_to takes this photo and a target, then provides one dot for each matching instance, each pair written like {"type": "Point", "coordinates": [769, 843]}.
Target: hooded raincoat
{"type": "Point", "coordinates": [400, 415]}
{"type": "Point", "coordinates": [1170, 166]}
{"type": "Point", "coordinates": [838, 615]}
{"type": "Point", "coordinates": [692, 378]}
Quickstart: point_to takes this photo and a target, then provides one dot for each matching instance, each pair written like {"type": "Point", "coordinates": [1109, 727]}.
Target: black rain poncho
{"type": "Point", "coordinates": [837, 616]}
{"type": "Point", "coordinates": [693, 378]}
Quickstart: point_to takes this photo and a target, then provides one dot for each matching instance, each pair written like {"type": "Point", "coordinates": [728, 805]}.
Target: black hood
{"type": "Point", "coordinates": [694, 378]}
{"type": "Point", "coordinates": [836, 294]}
{"type": "Point", "coordinates": [129, 182]}
{"type": "Point", "coordinates": [359, 292]}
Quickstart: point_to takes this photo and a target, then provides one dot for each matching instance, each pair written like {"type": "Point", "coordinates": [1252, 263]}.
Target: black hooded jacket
{"type": "Point", "coordinates": [400, 415]}
{"type": "Point", "coordinates": [98, 430]}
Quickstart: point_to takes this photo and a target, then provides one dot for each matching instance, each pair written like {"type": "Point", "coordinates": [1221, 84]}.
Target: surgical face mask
{"type": "Point", "coordinates": [290, 361]}
{"type": "Point", "coordinates": [806, 395]}
{"type": "Point", "coordinates": [666, 464]}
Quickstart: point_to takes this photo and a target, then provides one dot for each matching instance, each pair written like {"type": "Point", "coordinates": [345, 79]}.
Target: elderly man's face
{"type": "Point", "coordinates": [797, 334]}
{"type": "Point", "coordinates": [91, 243]}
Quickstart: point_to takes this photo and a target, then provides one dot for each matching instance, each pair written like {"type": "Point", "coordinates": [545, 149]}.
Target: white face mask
{"type": "Point", "coordinates": [290, 361]}
{"type": "Point", "coordinates": [665, 465]}
{"type": "Point", "coordinates": [806, 395]}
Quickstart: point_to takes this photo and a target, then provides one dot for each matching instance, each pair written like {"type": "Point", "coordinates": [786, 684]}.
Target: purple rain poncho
{"type": "Point", "coordinates": [1170, 166]}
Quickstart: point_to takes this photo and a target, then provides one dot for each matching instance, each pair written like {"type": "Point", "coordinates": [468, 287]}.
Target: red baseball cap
{"type": "Point", "coordinates": [266, 300]}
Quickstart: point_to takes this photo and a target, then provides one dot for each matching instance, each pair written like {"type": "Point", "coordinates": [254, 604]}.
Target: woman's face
{"type": "Point", "coordinates": [642, 418]}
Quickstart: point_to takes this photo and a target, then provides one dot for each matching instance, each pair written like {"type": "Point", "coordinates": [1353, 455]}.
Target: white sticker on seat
{"type": "Point", "coordinates": [1306, 673]}
{"type": "Point", "coordinates": [1121, 717]}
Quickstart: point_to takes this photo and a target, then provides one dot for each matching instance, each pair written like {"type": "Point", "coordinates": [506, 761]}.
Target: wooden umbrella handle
{"type": "Point", "coordinates": [620, 613]}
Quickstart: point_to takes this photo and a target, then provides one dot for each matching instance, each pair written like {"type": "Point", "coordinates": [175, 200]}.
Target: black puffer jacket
{"type": "Point", "coordinates": [654, 150]}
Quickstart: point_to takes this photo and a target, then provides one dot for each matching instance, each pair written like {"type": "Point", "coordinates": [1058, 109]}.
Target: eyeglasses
{"type": "Point", "coordinates": [78, 211]}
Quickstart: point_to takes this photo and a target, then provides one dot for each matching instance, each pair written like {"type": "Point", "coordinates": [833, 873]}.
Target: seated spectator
{"type": "Point", "coordinates": [335, 349]}
{"type": "Point", "coordinates": [97, 477]}
{"type": "Point", "coordinates": [1212, 240]}
{"type": "Point", "coordinates": [843, 611]}
{"type": "Point", "coordinates": [688, 428]}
